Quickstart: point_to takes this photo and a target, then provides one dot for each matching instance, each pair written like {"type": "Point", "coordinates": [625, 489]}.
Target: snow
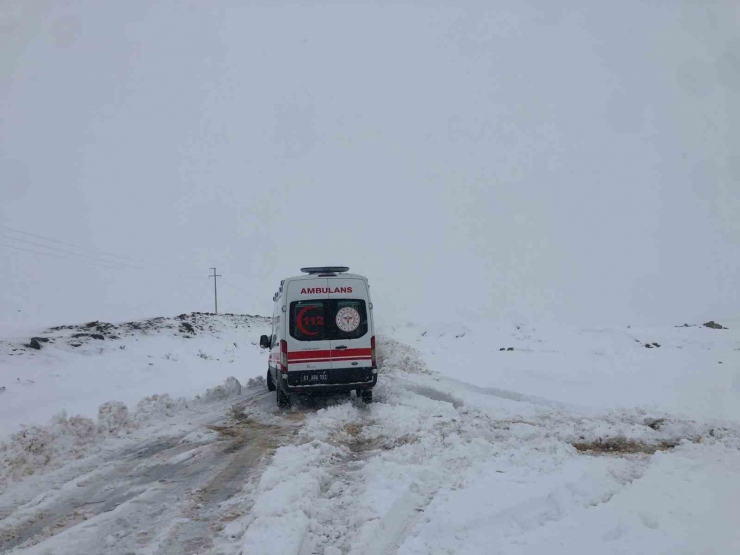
{"type": "Point", "coordinates": [539, 450]}
{"type": "Point", "coordinates": [276, 535]}
{"type": "Point", "coordinates": [465, 468]}
{"type": "Point", "coordinates": [695, 371]}
{"type": "Point", "coordinates": [686, 502]}
{"type": "Point", "coordinates": [113, 417]}
{"type": "Point", "coordinates": [40, 449]}
{"type": "Point", "coordinates": [158, 360]}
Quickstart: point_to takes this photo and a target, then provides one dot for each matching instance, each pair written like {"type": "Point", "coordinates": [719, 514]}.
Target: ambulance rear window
{"type": "Point", "coordinates": [328, 319]}
{"type": "Point", "coordinates": [307, 320]}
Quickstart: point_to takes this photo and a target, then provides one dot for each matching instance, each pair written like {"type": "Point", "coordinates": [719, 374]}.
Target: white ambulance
{"type": "Point", "coordinates": [323, 336]}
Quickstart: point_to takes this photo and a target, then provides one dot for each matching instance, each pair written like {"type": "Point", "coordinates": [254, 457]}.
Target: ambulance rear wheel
{"type": "Point", "coordinates": [283, 399]}
{"type": "Point", "coordinates": [367, 396]}
{"type": "Point", "coordinates": [270, 383]}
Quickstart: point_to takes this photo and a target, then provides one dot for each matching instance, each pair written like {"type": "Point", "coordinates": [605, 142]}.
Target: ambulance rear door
{"type": "Point", "coordinates": [350, 314]}
{"type": "Point", "coordinates": [309, 345]}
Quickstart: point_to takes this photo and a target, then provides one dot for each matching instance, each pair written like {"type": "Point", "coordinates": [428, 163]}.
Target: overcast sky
{"type": "Point", "coordinates": [574, 161]}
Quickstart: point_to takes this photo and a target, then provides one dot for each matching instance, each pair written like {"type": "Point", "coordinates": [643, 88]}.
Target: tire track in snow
{"type": "Point", "coordinates": [334, 516]}
{"type": "Point", "coordinates": [508, 439]}
{"type": "Point", "coordinates": [398, 522]}
{"type": "Point", "coordinates": [332, 526]}
{"type": "Point", "coordinates": [161, 496]}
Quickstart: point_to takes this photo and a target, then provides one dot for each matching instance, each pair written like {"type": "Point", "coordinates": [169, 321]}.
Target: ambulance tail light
{"type": "Point", "coordinates": [372, 351]}
{"type": "Point", "coordinates": [283, 355]}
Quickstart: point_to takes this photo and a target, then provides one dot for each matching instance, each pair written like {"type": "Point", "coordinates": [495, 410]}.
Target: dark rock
{"type": "Point", "coordinates": [656, 344]}
{"type": "Point", "coordinates": [40, 339]}
{"type": "Point", "coordinates": [502, 349]}
{"type": "Point", "coordinates": [34, 344]}
{"type": "Point", "coordinates": [654, 423]}
{"type": "Point", "coordinates": [98, 336]}
{"type": "Point", "coordinates": [714, 325]}
{"type": "Point", "coordinates": [648, 346]}
{"type": "Point", "coordinates": [75, 344]}
{"type": "Point", "coordinates": [187, 328]}
{"type": "Point", "coordinates": [510, 349]}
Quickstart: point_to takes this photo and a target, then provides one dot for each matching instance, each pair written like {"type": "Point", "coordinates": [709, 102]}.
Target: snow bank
{"type": "Point", "coordinates": [230, 388]}
{"type": "Point", "coordinates": [113, 417]}
{"type": "Point", "coordinates": [39, 449]}
{"type": "Point", "coordinates": [155, 407]}
{"type": "Point", "coordinates": [256, 383]}
{"type": "Point", "coordinates": [395, 355]}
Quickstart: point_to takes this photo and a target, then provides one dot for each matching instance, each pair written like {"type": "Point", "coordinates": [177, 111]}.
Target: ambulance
{"type": "Point", "coordinates": [323, 336]}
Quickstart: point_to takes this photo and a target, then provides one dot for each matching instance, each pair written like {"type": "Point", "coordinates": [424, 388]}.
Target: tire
{"type": "Point", "coordinates": [270, 383]}
{"type": "Point", "coordinates": [283, 399]}
{"type": "Point", "coordinates": [367, 396]}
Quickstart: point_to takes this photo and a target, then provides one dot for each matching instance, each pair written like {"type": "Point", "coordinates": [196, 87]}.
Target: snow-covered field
{"type": "Point", "coordinates": [84, 366]}
{"type": "Point", "coordinates": [575, 441]}
{"type": "Point", "coordinates": [695, 370]}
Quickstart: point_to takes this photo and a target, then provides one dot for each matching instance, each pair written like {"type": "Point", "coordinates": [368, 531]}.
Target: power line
{"type": "Point", "coordinates": [88, 249]}
{"type": "Point", "coordinates": [57, 256]}
{"type": "Point", "coordinates": [107, 263]}
{"type": "Point", "coordinates": [96, 263]}
{"type": "Point", "coordinates": [79, 246]}
{"type": "Point", "coordinates": [227, 284]}
{"type": "Point", "coordinates": [72, 252]}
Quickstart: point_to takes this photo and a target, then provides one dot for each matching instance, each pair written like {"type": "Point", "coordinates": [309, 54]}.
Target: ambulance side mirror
{"type": "Point", "coordinates": [265, 342]}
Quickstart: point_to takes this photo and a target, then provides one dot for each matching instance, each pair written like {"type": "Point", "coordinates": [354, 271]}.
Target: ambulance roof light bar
{"type": "Point", "coordinates": [325, 270]}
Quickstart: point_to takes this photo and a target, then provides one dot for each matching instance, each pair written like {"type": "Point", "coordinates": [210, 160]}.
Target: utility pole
{"type": "Point", "coordinates": [215, 289]}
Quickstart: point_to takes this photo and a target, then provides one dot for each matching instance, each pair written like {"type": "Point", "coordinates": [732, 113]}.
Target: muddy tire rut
{"type": "Point", "coordinates": [165, 495]}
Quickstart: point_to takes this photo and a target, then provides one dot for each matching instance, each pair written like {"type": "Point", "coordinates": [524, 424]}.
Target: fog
{"type": "Point", "coordinates": [571, 161]}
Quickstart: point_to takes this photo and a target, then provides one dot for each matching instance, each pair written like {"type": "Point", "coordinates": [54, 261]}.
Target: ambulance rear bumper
{"type": "Point", "coordinates": [333, 380]}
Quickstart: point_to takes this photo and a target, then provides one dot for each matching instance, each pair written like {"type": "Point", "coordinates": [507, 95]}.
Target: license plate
{"type": "Point", "coordinates": [313, 378]}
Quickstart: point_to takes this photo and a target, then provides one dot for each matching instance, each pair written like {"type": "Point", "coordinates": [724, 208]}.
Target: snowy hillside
{"type": "Point", "coordinates": [78, 367]}
{"type": "Point", "coordinates": [571, 442]}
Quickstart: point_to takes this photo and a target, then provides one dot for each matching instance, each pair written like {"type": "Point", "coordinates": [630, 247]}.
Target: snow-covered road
{"type": "Point", "coordinates": [158, 491]}
{"type": "Point", "coordinates": [436, 465]}
{"type": "Point", "coordinates": [417, 472]}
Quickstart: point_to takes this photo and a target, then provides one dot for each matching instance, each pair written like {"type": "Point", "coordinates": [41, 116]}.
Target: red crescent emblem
{"type": "Point", "coordinates": [299, 320]}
